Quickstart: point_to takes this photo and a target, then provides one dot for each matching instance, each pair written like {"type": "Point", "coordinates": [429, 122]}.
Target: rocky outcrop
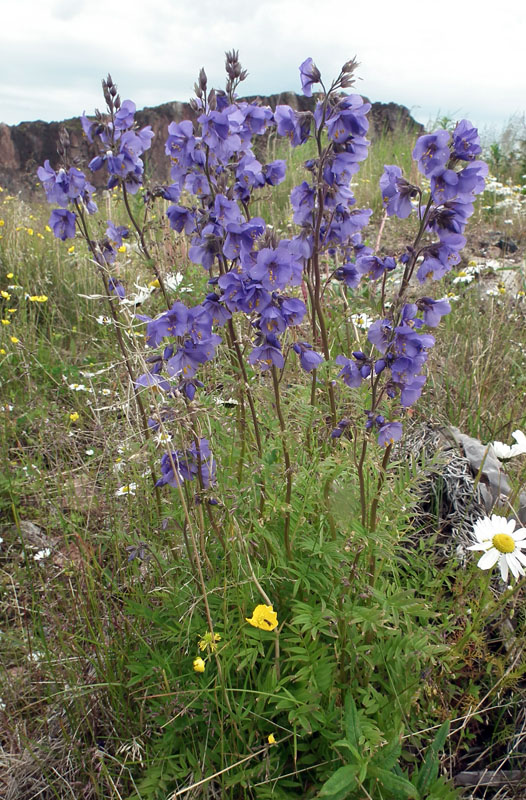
{"type": "Point", "coordinates": [24, 147]}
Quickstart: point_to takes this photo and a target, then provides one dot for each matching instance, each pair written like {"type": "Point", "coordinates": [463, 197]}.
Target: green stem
{"type": "Point", "coordinates": [144, 246]}
{"type": "Point", "coordinates": [286, 459]}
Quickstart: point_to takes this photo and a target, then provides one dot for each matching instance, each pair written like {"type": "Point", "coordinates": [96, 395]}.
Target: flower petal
{"type": "Point", "coordinates": [489, 559]}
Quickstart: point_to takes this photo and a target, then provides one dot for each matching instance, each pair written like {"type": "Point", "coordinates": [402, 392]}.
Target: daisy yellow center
{"type": "Point", "coordinates": [503, 543]}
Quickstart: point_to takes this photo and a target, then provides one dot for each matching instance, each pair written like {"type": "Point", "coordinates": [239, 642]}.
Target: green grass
{"type": "Point", "coordinates": [381, 637]}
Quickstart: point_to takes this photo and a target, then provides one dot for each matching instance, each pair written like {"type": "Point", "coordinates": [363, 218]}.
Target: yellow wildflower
{"type": "Point", "coordinates": [2, 351]}
{"type": "Point", "coordinates": [38, 298]}
{"type": "Point", "coordinates": [74, 416]}
{"type": "Point", "coordinates": [71, 249]}
{"type": "Point", "coordinates": [10, 274]}
{"type": "Point", "coordinates": [14, 339]}
{"type": "Point", "coordinates": [154, 284]}
{"type": "Point", "coordinates": [121, 249]}
{"type": "Point", "coordinates": [30, 231]}
{"type": "Point", "coordinates": [264, 617]}
{"type": "Point", "coordinates": [5, 295]}
{"type": "Point", "coordinates": [2, 223]}
{"type": "Point", "coordinates": [6, 322]}
{"type": "Point", "coordinates": [48, 229]}
{"type": "Point", "coordinates": [207, 641]}
{"type": "Point", "coordinates": [199, 665]}
{"type": "Point", "coordinates": [271, 738]}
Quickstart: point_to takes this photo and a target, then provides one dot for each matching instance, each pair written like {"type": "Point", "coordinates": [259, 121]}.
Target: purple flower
{"type": "Point", "coordinates": [187, 359]}
{"type": "Point", "coordinates": [271, 320]}
{"type": "Point", "coordinates": [309, 359]}
{"type": "Point", "coordinates": [291, 124]}
{"type": "Point", "coordinates": [273, 268]}
{"type": "Point", "coordinates": [350, 372]}
{"type": "Point", "coordinates": [55, 184]}
{"type": "Point", "coordinates": [380, 333]}
{"type": "Point", "coordinates": [348, 119]}
{"type": "Point", "coordinates": [62, 223]}
{"type": "Point", "coordinates": [226, 211]}
{"type": "Point", "coordinates": [433, 310]}
{"type": "Point", "coordinates": [187, 464]}
{"type": "Point", "coordinates": [204, 250]}
{"type": "Point", "coordinates": [412, 391]}
{"type": "Point", "coordinates": [116, 288]}
{"type": "Point", "coordinates": [340, 428]}
{"type": "Point", "coordinates": [390, 433]}
{"type": "Point", "coordinates": [466, 142]}
{"type": "Point", "coordinates": [116, 233]}
{"type": "Point", "coordinates": [373, 267]}
{"type": "Point", "coordinates": [240, 237]}
{"type": "Point", "coordinates": [349, 274]}
{"type": "Point", "coordinates": [172, 323]}
{"type": "Point", "coordinates": [432, 152]}
{"type": "Point", "coordinates": [216, 309]}
{"type": "Point", "coordinates": [214, 128]}
{"type": "Point", "coordinates": [440, 258]}
{"type": "Point", "coordinates": [396, 192]}
{"type": "Point", "coordinates": [302, 200]}
{"type": "Point", "coordinates": [267, 354]}
{"type": "Point", "coordinates": [274, 173]}
{"type": "Point", "coordinates": [125, 115]}
{"type": "Point", "coordinates": [293, 309]}
{"type": "Point", "coordinates": [153, 380]}
{"type": "Point", "coordinates": [309, 74]}
{"type": "Point", "coordinates": [181, 219]}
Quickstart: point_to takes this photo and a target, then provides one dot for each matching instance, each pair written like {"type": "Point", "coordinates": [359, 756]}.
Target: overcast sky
{"type": "Point", "coordinates": [460, 59]}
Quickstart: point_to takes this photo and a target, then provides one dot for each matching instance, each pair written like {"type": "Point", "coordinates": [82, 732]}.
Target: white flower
{"type": "Point", "coordinates": [42, 554]}
{"type": "Point", "coordinates": [502, 450]}
{"type": "Point", "coordinates": [89, 452]}
{"type": "Point", "coordinates": [362, 321]}
{"type": "Point", "coordinates": [102, 320]}
{"type": "Point", "coordinates": [464, 277]}
{"type": "Point", "coordinates": [162, 438]}
{"type": "Point", "coordinates": [520, 448]}
{"type": "Point", "coordinates": [128, 489]}
{"type": "Point", "coordinates": [501, 543]}
{"type": "Point", "coordinates": [172, 281]}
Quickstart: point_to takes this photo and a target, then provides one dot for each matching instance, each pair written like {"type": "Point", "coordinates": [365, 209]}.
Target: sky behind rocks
{"type": "Point", "coordinates": [455, 59]}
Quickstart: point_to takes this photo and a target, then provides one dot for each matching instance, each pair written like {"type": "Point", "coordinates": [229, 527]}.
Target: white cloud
{"type": "Point", "coordinates": [55, 52]}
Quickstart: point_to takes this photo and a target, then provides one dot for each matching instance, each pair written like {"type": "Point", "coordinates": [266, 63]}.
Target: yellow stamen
{"type": "Point", "coordinates": [503, 542]}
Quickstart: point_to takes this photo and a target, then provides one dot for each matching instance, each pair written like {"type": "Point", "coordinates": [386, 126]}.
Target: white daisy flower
{"type": "Point", "coordinates": [464, 277]}
{"type": "Point", "coordinates": [172, 281]}
{"type": "Point", "coordinates": [504, 451]}
{"type": "Point", "coordinates": [362, 321]}
{"type": "Point", "coordinates": [520, 448]}
{"type": "Point", "coordinates": [501, 543]}
{"type": "Point", "coordinates": [44, 553]}
{"type": "Point", "coordinates": [128, 489]}
{"type": "Point", "coordinates": [162, 438]}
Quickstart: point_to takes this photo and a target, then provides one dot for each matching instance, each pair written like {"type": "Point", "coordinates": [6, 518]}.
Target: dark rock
{"type": "Point", "coordinates": [500, 240]}
{"type": "Point", "coordinates": [24, 147]}
{"type": "Point", "coordinates": [507, 245]}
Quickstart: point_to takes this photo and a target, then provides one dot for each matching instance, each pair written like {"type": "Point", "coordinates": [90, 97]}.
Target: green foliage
{"type": "Point", "coordinates": [100, 636]}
